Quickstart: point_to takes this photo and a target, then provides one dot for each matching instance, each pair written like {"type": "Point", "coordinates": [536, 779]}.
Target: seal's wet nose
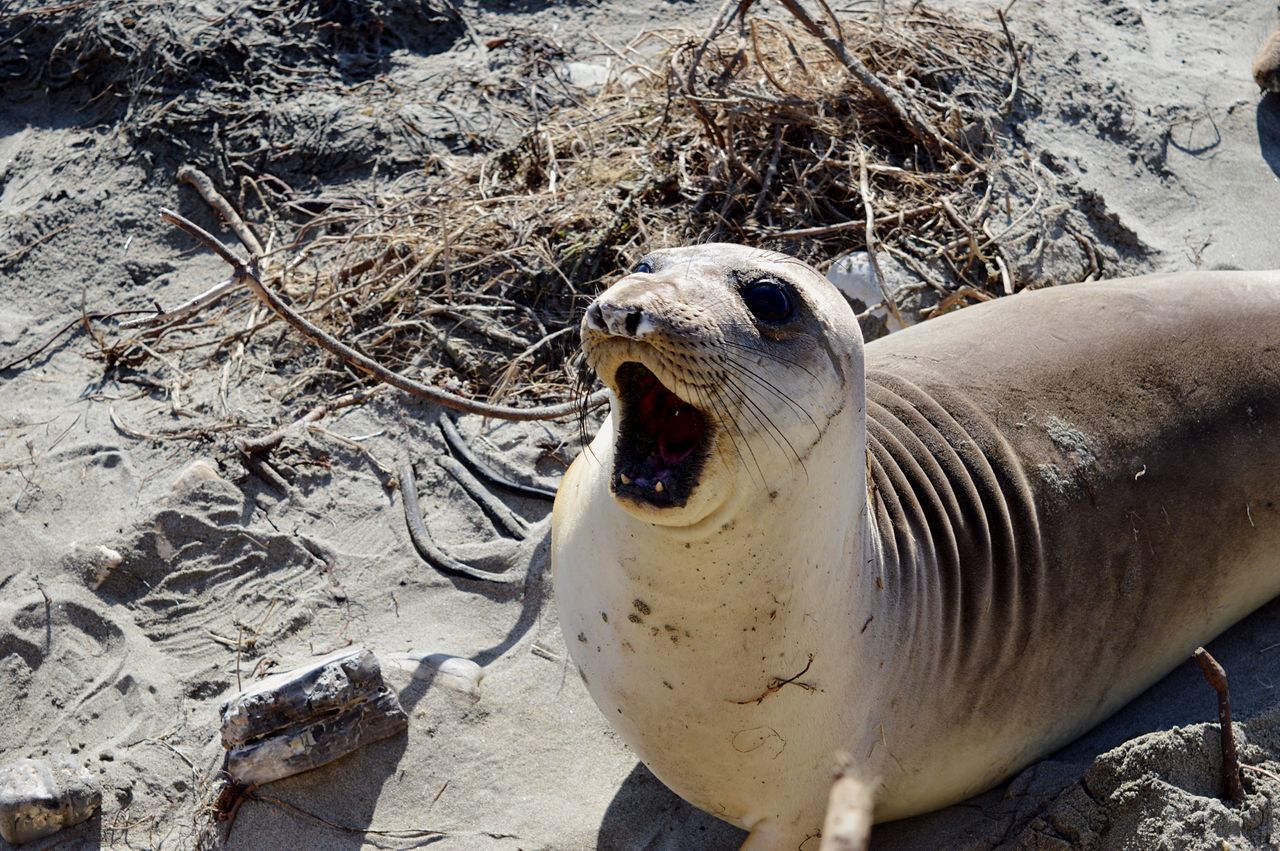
{"type": "Point", "coordinates": [618, 320]}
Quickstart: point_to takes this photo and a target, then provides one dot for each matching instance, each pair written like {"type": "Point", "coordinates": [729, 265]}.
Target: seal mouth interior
{"type": "Point", "coordinates": [662, 441]}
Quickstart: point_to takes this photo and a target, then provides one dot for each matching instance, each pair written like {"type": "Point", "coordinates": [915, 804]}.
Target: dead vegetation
{"type": "Point", "coordinates": [815, 137]}
{"type": "Point", "coordinates": [151, 54]}
{"type": "Point", "coordinates": [759, 134]}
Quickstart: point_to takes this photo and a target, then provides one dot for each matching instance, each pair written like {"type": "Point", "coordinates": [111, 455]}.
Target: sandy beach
{"type": "Point", "coordinates": [1155, 150]}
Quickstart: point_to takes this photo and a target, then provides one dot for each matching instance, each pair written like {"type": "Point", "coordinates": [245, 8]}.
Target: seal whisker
{"type": "Point", "coordinates": [746, 372]}
{"type": "Point", "coordinates": [776, 391]}
{"type": "Point", "coordinates": [771, 355]}
{"type": "Point", "coordinates": [715, 403]}
{"type": "Point", "coordinates": [583, 381]}
{"type": "Point", "coordinates": [725, 421]}
{"type": "Point", "coordinates": [755, 416]}
{"type": "Point", "coordinates": [763, 419]}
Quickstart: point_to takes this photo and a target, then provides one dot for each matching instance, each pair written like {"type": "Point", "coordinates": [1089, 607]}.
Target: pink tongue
{"type": "Point", "coordinates": [670, 457]}
{"type": "Point", "coordinates": [681, 428]}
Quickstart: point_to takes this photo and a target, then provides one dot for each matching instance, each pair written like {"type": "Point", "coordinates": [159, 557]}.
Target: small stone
{"type": "Point", "coordinates": [39, 797]}
{"type": "Point", "coordinates": [299, 720]}
{"type": "Point", "coordinates": [95, 563]}
{"type": "Point", "coordinates": [855, 277]}
{"type": "Point", "coordinates": [194, 474]}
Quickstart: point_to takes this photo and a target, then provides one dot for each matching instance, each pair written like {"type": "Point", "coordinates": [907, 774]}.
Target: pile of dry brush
{"type": "Point", "coordinates": [785, 133]}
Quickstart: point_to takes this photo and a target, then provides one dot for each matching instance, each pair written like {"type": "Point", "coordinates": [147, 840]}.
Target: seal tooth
{"type": "Point", "coordinates": [659, 487]}
{"type": "Point", "coordinates": [624, 478]}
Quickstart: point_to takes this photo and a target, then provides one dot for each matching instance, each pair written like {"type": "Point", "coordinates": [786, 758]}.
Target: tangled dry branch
{"type": "Point", "coordinates": [811, 137]}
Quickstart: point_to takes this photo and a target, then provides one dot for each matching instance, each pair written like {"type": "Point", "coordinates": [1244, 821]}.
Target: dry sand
{"type": "Point", "coordinates": [1146, 109]}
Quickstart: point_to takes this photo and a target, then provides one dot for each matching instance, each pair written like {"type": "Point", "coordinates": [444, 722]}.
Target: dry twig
{"type": "Point", "coordinates": [920, 127]}
{"type": "Point", "coordinates": [82, 320]}
{"type": "Point", "coordinates": [850, 811]}
{"type": "Point", "coordinates": [1217, 677]}
{"type": "Point", "coordinates": [407, 833]}
{"type": "Point", "coordinates": [247, 273]}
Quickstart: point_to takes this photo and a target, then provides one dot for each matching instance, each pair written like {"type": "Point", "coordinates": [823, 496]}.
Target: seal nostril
{"type": "Point", "coordinates": [633, 323]}
{"type": "Point", "coordinates": [595, 317]}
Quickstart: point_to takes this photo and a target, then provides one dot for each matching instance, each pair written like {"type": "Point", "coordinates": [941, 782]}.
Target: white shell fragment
{"type": "Point", "coordinates": [95, 563]}
{"type": "Point", "coordinates": [302, 719]}
{"type": "Point", "coordinates": [452, 672]}
{"type": "Point", "coordinates": [590, 76]}
{"type": "Point", "coordinates": [39, 797]}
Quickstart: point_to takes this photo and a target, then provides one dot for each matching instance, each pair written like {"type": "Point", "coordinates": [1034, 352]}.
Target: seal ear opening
{"type": "Point", "coordinates": [662, 441]}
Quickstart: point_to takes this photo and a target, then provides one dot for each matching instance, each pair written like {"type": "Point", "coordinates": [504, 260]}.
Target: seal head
{"type": "Point", "coordinates": [705, 375]}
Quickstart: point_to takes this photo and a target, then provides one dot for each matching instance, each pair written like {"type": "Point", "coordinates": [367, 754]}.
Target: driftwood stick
{"type": "Point", "coordinates": [850, 812]}
{"type": "Point", "coordinates": [188, 307]}
{"type": "Point", "coordinates": [402, 382]}
{"type": "Point", "coordinates": [920, 128]}
{"type": "Point", "coordinates": [1217, 677]}
{"type": "Point", "coordinates": [269, 441]}
{"type": "Point", "coordinates": [263, 470]}
{"type": "Point", "coordinates": [247, 273]}
{"type": "Point", "coordinates": [206, 239]}
{"type": "Point", "coordinates": [202, 184]}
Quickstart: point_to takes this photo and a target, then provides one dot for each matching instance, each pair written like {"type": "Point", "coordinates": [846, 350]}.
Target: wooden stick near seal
{"type": "Point", "coordinates": [1216, 676]}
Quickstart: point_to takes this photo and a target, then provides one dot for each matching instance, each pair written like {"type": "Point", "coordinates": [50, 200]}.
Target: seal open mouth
{"type": "Point", "coordinates": [662, 441]}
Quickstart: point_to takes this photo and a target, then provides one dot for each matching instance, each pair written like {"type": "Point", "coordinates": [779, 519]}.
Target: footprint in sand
{"type": "Point", "coordinates": [200, 578]}
{"type": "Point", "coordinates": [75, 679]}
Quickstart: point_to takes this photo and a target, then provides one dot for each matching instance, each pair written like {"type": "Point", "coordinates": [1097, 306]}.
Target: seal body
{"type": "Point", "coordinates": [943, 555]}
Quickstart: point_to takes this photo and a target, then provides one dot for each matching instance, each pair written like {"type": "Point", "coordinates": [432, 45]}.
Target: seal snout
{"type": "Point", "coordinates": [620, 320]}
{"type": "Point", "coordinates": [655, 352]}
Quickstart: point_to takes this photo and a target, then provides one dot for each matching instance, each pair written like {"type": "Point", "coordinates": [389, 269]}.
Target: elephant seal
{"type": "Point", "coordinates": [944, 554]}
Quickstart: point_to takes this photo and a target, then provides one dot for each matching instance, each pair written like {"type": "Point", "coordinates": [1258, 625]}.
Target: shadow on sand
{"type": "Point", "coordinates": [646, 816]}
{"type": "Point", "coordinates": [1269, 130]}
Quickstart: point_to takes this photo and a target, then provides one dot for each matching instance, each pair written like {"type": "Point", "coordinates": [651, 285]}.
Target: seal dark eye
{"type": "Point", "coordinates": [642, 268]}
{"type": "Point", "coordinates": [769, 301]}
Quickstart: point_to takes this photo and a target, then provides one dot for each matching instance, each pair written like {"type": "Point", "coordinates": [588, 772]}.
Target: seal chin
{"type": "Point", "coordinates": [662, 442]}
